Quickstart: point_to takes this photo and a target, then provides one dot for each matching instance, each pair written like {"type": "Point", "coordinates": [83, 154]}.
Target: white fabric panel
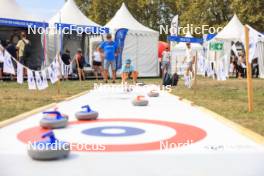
{"type": "Point", "coordinates": [147, 57]}
{"type": "Point", "coordinates": [130, 49]}
{"type": "Point", "coordinates": [260, 55]}
{"type": "Point", "coordinates": [143, 52]}
{"type": "Point", "coordinates": [53, 46]}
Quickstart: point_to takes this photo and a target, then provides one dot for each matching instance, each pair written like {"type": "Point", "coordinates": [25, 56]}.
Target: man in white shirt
{"type": "Point", "coordinates": [189, 59]}
{"type": "Point", "coordinates": [166, 60]}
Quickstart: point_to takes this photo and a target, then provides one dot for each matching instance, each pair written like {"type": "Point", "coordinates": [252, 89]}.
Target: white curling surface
{"type": "Point", "coordinates": [223, 151]}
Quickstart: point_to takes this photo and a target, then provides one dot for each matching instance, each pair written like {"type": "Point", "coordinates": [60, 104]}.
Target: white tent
{"type": "Point", "coordinates": [141, 44]}
{"type": "Point", "coordinates": [178, 53]}
{"type": "Point", "coordinates": [13, 19]}
{"type": "Point", "coordinates": [259, 53]}
{"type": "Point", "coordinates": [70, 14]}
{"type": "Point", "coordinates": [232, 31]}
{"type": "Point", "coordinates": [9, 9]}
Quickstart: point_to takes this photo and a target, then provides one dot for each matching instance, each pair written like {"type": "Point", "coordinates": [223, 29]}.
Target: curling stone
{"type": "Point", "coordinates": [50, 115]}
{"type": "Point", "coordinates": [87, 114]}
{"type": "Point", "coordinates": [50, 149]}
{"type": "Point", "coordinates": [140, 101]}
{"type": "Point", "coordinates": [153, 93]}
{"type": "Point", "coordinates": [53, 120]}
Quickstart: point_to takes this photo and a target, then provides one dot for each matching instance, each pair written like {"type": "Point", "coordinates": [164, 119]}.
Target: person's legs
{"type": "Point", "coordinates": [134, 76]}
{"type": "Point", "coordinates": [79, 74]}
{"type": "Point", "coordinates": [124, 77]}
{"type": "Point", "coordinates": [106, 67]}
{"type": "Point", "coordinates": [113, 68]}
{"type": "Point", "coordinates": [95, 71]}
{"type": "Point", "coordinates": [83, 74]}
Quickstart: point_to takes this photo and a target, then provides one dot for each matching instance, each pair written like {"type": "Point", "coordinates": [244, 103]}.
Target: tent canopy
{"type": "Point", "coordinates": [11, 14]}
{"type": "Point", "coordinates": [124, 19]}
{"type": "Point", "coordinates": [259, 36]}
{"type": "Point", "coordinates": [71, 14]}
{"type": "Point", "coordinates": [232, 31]}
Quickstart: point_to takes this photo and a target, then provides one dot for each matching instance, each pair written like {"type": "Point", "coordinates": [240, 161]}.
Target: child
{"type": "Point", "coordinates": [128, 70]}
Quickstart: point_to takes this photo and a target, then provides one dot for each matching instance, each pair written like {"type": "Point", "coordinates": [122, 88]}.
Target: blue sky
{"type": "Point", "coordinates": [43, 8]}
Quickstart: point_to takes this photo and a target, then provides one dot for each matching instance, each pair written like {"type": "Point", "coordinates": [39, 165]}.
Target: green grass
{"type": "Point", "coordinates": [227, 98]}
{"type": "Point", "coordinates": [16, 99]}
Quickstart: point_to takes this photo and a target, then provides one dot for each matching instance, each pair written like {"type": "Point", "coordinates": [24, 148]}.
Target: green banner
{"type": "Point", "coordinates": [216, 46]}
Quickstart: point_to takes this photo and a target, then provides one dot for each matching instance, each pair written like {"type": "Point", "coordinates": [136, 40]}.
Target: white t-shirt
{"type": "Point", "coordinates": [189, 55]}
{"type": "Point", "coordinates": [97, 56]}
{"type": "Point", "coordinates": [166, 56]}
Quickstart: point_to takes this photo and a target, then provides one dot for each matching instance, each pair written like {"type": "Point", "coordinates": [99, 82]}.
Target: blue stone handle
{"type": "Point", "coordinates": [51, 136]}
{"type": "Point", "coordinates": [87, 107]}
{"type": "Point", "coordinates": [58, 114]}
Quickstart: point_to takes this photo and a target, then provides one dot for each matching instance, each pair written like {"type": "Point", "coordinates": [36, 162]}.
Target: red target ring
{"type": "Point", "coordinates": [184, 134]}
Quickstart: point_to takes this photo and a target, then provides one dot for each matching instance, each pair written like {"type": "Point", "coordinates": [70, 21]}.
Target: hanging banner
{"type": "Point", "coordinates": [31, 80]}
{"type": "Point", "coordinates": [39, 81]}
{"type": "Point", "coordinates": [53, 73]}
{"type": "Point", "coordinates": [120, 37]}
{"type": "Point", "coordinates": [8, 64]}
{"type": "Point", "coordinates": [185, 39]}
{"type": "Point", "coordinates": [235, 50]}
{"type": "Point", "coordinates": [20, 70]}
{"type": "Point", "coordinates": [174, 25]}
{"type": "Point", "coordinates": [44, 79]}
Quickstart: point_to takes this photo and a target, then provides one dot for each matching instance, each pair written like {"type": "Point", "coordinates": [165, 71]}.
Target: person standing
{"type": "Point", "coordinates": [79, 59]}
{"type": "Point", "coordinates": [109, 50]}
{"type": "Point", "coordinates": [66, 59]}
{"type": "Point", "coordinates": [97, 63]}
{"type": "Point", "coordinates": [166, 61]}
{"type": "Point", "coordinates": [21, 46]}
{"type": "Point", "coordinates": [189, 59]}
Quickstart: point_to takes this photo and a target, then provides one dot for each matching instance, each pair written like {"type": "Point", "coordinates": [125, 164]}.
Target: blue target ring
{"type": "Point", "coordinates": [125, 131]}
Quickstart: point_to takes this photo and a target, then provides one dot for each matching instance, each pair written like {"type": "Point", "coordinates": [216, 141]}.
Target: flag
{"type": "Point", "coordinates": [253, 40]}
{"type": "Point", "coordinates": [235, 49]}
{"type": "Point", "coordinates": [1, 54]}
{"type": "Point", "coordinates": [44, 78]}
{"type": "Point", "coordinates": [52, 73]}
{"type": "Point", "coordinates": [31, 80]}
{"type": "Point", "coordinates": [8, 64]}
{"type": "Point", "coordinates": [174, 25]}
{"type": "Point", "coordinates": [120, 37]}
{"type": "Point", "coordinates": [20, 70]}
{"type": "Point", "coordinates": [40, 81]}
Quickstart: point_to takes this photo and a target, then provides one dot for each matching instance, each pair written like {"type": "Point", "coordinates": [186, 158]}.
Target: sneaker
{"type": "Point", "coordinates": [113, 82]}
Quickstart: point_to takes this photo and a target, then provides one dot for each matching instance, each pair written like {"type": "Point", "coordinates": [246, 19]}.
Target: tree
{"type": "Point", "coordinates": [154, 13]}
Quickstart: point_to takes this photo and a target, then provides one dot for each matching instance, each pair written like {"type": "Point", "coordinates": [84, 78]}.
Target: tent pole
{"type": "Point", "coordinates": [249, 75]}
{"type": "Point", "coordinates": [195, 72]}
